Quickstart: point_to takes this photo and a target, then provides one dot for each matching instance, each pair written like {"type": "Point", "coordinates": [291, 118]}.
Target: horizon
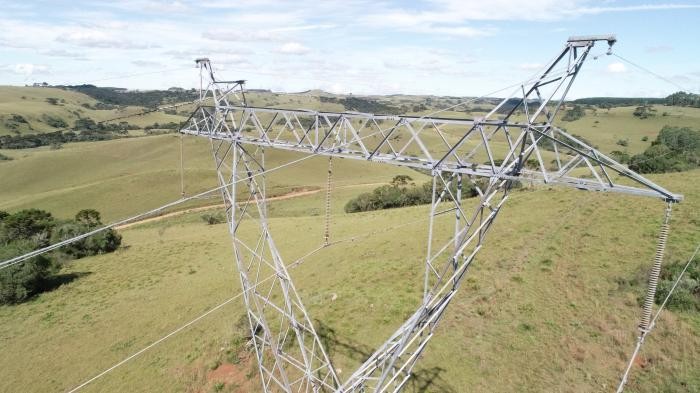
{"type": "Point", "coordinates": [328, 92]}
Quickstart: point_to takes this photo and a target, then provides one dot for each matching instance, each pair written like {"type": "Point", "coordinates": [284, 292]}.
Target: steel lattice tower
{"type": "Point", "coordinates": [289, 352]}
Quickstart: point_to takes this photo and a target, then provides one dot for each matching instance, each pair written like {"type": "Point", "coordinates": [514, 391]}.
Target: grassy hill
{"type": "Point", "coordinates": [145, 172]}
{"type": "Point", "coordinates": [551, 303]}
{"type": "Point", "coordinates": [606, 127]}
{"type": "Point", "coordinates": [34, 105]}
{"type": "Point", "coordinates": [549, 307]}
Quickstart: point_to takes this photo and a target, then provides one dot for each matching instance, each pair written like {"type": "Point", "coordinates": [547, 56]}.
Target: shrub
{"type": "Point", "coordinates": [643, 111]}
{"type": "Point", "coordinates": [574, 113]}
{"type": "Point", "coordinates": [620, 156]}
{"type": "Point", "coordinates": [52, 101]}
{"type": "Point", "coordinates": [18, 119]}
{"type": "Point", "coordinates": [213, 219]}
{"type": "Point", "coordinates": [4, 157]}
{"type": "Point", "coordinates": [645, 138]}
{"type": "Point", "coordinates": [622, 142]}
{"type": "Point", "coordinates": [54, 121]}
{"type": "Point", "coordinates": [686, 296]}
{"type": "Point", "coordinates": [548, 144]}
{"type": "Point", "coordinates": [399, 194]}
{"type": "Point", "coordinates": [99, 243]}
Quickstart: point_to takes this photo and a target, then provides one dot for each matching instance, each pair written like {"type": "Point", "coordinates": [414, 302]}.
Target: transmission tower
{"type": "Point", "coordinates": [515, 142]}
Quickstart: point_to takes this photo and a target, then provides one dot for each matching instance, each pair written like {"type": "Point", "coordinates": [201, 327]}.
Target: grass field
{"type": "Point", "coordinates": [619, 124]}
{"type": "Point", "coordinates": [146, 172]}
{"type": "Point", "coordinates": [540, 311]}
{"type": "Point", "coordinates": [551, 303]}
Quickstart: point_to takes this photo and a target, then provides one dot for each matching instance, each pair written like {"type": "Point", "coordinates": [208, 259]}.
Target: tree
{"type": "Point", "coordinates": [29, 224]}
{"type": "Point", "coordinates": [400, 180]}
{"type": "Point", "coordinates": [31, 229]}
{"type": "Point", "coordinates": [99, 243]}
{"type": "Point", "coordinates": [89, 217]}
{"type": "Point", "coordinates": [21, 281]}
{"type": "Point", "coordinates": [675, 149]}
{"type": "Point", "coordinates": [682, 98]}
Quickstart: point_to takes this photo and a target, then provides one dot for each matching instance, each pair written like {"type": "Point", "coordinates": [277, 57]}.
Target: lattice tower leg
{"type": "Point", "coordinates": [288, 351]}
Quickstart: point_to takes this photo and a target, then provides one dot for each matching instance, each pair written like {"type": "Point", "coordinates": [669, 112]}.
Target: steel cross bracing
{"type": "Point", "coordinates": [515, 141]}
{"type": "Point", "coordinates": [288, 350]}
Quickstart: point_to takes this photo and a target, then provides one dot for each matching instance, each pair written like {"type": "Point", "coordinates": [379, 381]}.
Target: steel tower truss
{"type": "Point", "coordinates": [516, 141]}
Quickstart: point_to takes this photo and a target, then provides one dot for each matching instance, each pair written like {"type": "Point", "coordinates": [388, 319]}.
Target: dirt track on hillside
{"type": "Point", "coordinates": [294, 194]}
{"type": "Point", "coordinates": [290, 195]}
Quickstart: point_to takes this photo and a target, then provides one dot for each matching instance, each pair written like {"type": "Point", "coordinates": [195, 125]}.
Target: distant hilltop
{"type": "Point", "coordinates": [108, 95]}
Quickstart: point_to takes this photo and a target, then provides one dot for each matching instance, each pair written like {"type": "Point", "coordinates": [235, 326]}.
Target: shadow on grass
{"type": "Point", "coordinates": [422, 380]}
{"type": "Point", "coordinates": [57, 280]}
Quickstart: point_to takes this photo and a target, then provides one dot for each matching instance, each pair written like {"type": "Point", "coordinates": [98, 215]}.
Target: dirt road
{"type": "Point", "coordinates": [294, 194]}
{"type": "Point", "coordinates": [290, 195]}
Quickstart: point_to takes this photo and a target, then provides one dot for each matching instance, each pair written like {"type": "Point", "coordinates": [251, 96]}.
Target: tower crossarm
{"type": "Point", "coordinates": [539, 153]}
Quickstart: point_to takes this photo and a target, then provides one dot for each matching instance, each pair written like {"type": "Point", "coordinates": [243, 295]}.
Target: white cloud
{"type": "Point", "coordinates": [147, 63]}
{"type": "Point", "coordinates": [293, 48]}
{"type": "Point", "coordinates": [92, 38]}
{"type": "Point", "coordinates": [64, 53]}
{"type": "Point", "coordinates": [27, 69]}
{"type": "Point", "coordinates": [449, 17]}
{"type": "Point", "coordinates": [238, 35]}
{"type": "Point", "coordinates": [616, 68]}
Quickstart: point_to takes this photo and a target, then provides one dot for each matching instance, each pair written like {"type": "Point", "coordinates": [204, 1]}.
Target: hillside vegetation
{"type": "Point", "coordinates": [674, 150]}
{"type": "Point", "coordinates": [47, 109]}
{"type": "Point", "coordinates": [551, 303]}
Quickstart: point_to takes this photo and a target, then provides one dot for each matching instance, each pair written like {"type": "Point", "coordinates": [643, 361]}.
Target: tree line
{"type": "Point", "coordinates": [680, 98]}
{"type": "Point", "coordinates": [84, 130]}
{"type": "Point", "coordinates": [146, 98]}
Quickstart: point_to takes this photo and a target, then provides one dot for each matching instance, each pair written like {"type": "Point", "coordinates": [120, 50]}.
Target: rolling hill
{"type": "Point", "coordinates": [551, 303]}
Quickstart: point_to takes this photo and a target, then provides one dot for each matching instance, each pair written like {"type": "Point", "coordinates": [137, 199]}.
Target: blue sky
{"type": "Point", "coordinates": [445, 47]}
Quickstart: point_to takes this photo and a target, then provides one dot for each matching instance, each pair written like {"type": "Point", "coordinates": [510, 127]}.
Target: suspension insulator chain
{"type": "Point", "coordinates": [182, 168]}
{"type": "Point", "coordinates": [327, 231]}
{"type": "Point", "coordinates": [655, 272]}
